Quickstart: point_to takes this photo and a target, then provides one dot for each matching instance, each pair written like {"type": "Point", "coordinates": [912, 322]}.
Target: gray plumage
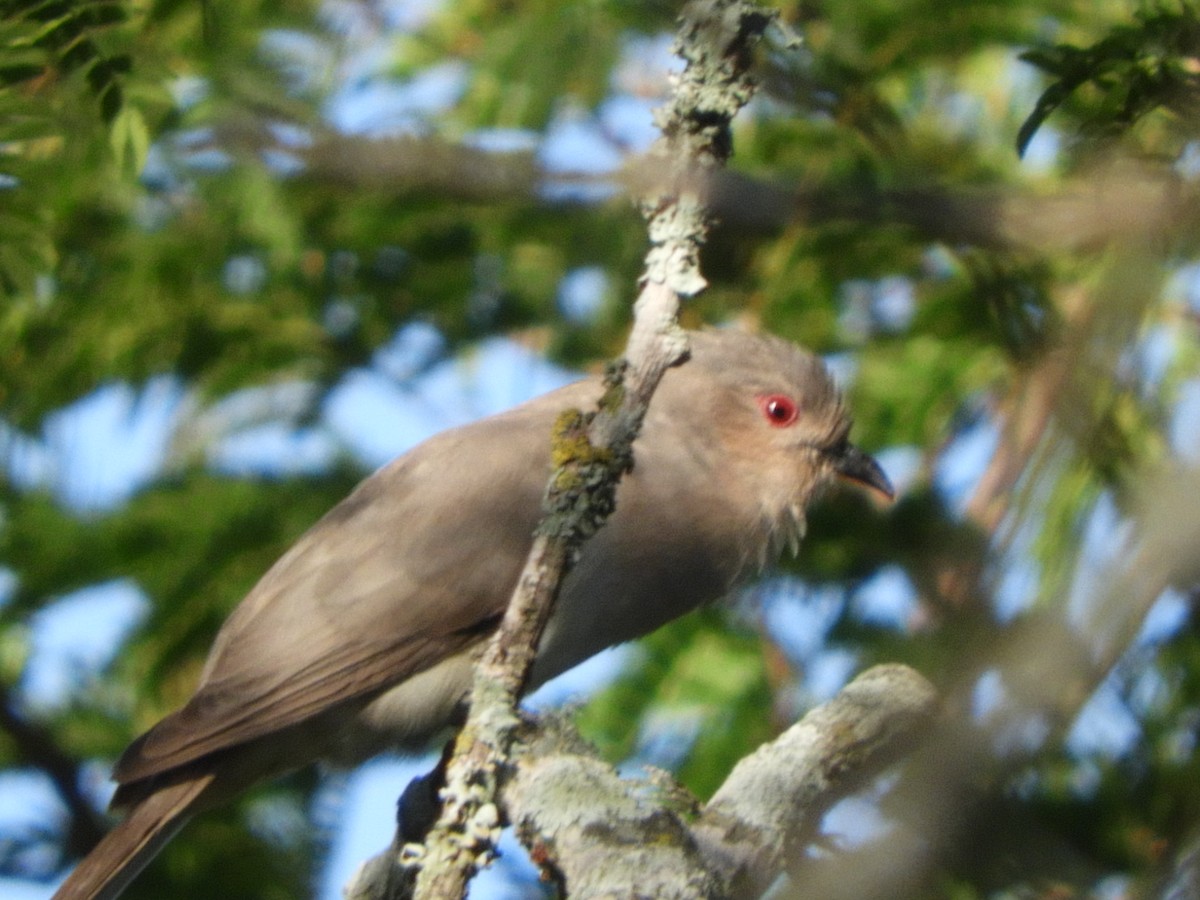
{"type": "Point", "coordinates": [360, 638]}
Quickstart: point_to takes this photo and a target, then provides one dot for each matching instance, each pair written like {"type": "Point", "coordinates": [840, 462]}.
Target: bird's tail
{"type": "Point", "coordinates": [126, 850]}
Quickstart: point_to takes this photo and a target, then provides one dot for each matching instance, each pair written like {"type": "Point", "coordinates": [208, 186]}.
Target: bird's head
{"type": "Point", "coordinates": [781, 425]}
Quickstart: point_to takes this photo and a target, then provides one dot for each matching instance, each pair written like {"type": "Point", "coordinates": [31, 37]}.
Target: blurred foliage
{"type": "Point", "coordinates": [201, 192]}
{"type": "Point", "coordinates": [710, 688]}
{"type": "Point", "coordinates": [1134, 70]}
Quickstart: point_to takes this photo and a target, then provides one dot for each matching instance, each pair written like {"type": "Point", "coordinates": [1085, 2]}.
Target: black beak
{"type": "Point", "coordinates": [854, 465]}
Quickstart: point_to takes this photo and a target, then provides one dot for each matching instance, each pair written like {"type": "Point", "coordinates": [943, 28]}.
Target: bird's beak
{"type": "Point", "coordinates": [854, 465]}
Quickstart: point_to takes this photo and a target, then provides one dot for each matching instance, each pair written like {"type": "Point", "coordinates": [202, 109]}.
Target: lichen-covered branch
{"type": "Point", "coordinates": [772, 803]}
{"type": "Point", "coordinates": [593, 451]}
{"type": "Point", "coordinates": [598, 835]}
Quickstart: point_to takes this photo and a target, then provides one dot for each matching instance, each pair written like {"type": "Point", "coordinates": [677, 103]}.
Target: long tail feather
{"type": "Point", "coordinates": [126, 850]}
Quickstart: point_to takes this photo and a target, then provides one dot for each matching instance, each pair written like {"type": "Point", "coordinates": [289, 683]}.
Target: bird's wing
{"type": "Point", "coordinates": [415, 565]}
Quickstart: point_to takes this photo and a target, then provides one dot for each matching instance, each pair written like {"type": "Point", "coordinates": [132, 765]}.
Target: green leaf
{"type": "Point", "coordinates": [130, 139]}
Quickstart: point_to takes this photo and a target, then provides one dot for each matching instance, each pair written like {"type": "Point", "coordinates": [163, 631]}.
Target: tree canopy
{"type": "Point", "coordinates": [982, 214]}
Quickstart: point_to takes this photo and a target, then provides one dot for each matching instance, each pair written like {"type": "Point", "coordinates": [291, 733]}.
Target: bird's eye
{"type": "Point", "coordinates": [780, 410]}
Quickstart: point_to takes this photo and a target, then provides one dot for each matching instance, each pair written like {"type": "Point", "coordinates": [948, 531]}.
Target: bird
{"type": "Point", "coordinates": [360, 639]}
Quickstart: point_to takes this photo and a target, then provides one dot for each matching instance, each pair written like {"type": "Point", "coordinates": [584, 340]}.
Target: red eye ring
{"type": "Point", "coordinates": [780, 410]}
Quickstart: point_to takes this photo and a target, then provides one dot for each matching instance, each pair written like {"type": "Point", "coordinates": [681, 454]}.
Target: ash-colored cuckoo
{"type": "Point", "coordinates": [360, 639]}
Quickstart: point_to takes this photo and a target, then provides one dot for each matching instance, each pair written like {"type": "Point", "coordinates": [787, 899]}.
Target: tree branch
{"type": "Point", "coordinates": [37, 747]}
{"type": "Point", "coordinates": [593, 451]}
{"type": "Point", "coordinates": [599, 835]}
